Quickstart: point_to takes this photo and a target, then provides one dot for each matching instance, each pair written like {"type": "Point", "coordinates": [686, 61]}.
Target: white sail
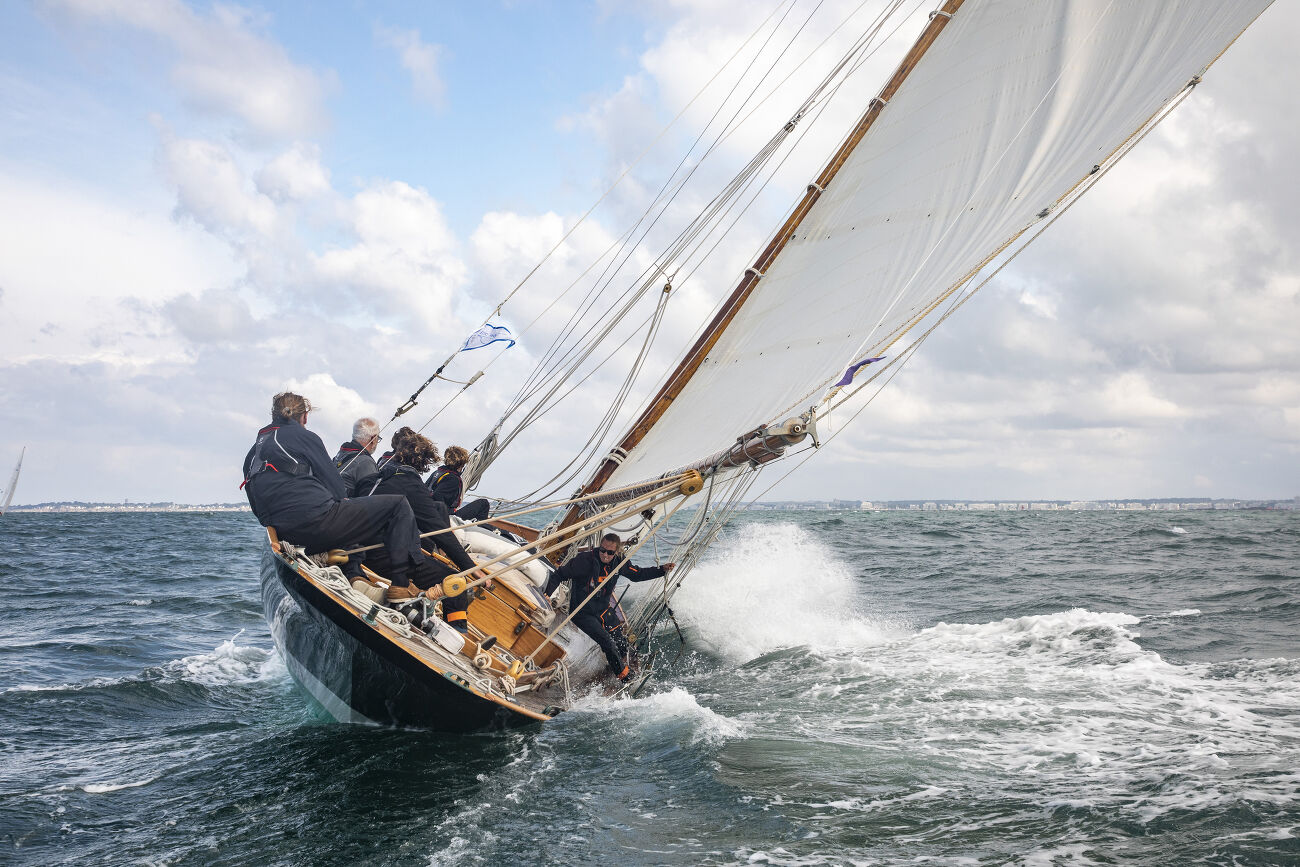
{"type": "Point", "coordinates": [13, 483]}
{"type": "Point", "coordinates": [1011, 107]}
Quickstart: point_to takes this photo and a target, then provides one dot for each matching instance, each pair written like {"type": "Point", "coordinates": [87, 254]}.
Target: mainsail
{"type": "Point", "coordinates": [13, 483]}
{"type": "Point", "coordinates": [1015, 103]}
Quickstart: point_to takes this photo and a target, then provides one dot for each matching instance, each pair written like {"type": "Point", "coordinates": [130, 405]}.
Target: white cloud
{"type": "Point", "coordinates": [421, 60]}
{"type": "Point", "coordinates": [223, 64]}
{"type": "Point", "coordinates": [295, 175]}
{"type": "Point", "coordinates": [405, 263]}
{"type": "Point", "coordinates": [213, 189]}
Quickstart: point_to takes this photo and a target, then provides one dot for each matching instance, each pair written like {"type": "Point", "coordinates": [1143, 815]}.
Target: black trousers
{"type": "Point", "coordinates": [427, 573]}
{"type": "Point", "coordinates": [614, 644]}
{"type": "Point", "coordinates": [350, 523]}
{"type": "Point", "coordinates": [473, 511]}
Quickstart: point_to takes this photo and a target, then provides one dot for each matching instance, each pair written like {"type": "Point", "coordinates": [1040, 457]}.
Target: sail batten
{"type": "Point", "coordinates": [1007, 112]}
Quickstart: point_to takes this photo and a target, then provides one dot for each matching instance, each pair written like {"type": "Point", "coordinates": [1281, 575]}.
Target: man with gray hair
{"type": "Point", "coordinates": [354, 461]}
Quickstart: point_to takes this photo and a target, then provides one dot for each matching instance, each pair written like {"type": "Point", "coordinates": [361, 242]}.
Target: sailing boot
{"type": "Point", "coordinates": [401, 594]}
{"type": "Point", "coordinates": [459, 621]}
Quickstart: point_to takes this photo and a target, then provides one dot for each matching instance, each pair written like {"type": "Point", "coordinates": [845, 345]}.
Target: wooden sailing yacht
{"type": "Point", "coordinates": [999, 117]}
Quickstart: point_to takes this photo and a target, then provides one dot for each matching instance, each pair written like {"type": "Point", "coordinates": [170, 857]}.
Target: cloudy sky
{"type": "Point", "coordinates": [203, 204]}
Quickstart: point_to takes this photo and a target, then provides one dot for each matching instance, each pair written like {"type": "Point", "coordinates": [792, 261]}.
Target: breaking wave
{"type": "Point", "coordinates": [772, 586]}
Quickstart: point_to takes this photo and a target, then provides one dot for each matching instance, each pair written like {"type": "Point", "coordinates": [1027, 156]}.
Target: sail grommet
{"type": "Point", "coordinates": [757, 273]}
{"type": "Point", "coordinates": [816, 186]}
{"type": "Point", "coordinates": [939, 13]}
{"type": "Point", "coordinates": [692, 484]}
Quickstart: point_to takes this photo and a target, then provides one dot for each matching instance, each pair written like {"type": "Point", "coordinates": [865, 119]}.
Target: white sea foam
{"type": "Point", "coordinates": [230, 664]}
{"type": "Point", "coordinates": [773, 586]}
{"type": "Point", "coordinates": [140, 602]}
{"type": "Point", "coordinates": [1178, 531]}
{"type": "Point", "coordinates": [103, 788]}
{"type": "Point", "coordinates": [1072, 699]}
{"type": "Point", "coordinates": [675, 705]}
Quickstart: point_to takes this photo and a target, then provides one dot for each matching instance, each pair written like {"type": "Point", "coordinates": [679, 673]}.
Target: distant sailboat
{"type": "Point", "coordinates": [13, 483]}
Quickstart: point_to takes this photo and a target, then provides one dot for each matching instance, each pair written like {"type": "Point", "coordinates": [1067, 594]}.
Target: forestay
{"type": "Point", "coordinates": [1009, 109]}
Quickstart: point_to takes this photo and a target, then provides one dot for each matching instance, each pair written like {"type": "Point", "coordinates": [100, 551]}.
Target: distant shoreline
{"type": "Point", "coordinates": [63, 508]}
{"type": "Point", "coordinates": [1131, 505]}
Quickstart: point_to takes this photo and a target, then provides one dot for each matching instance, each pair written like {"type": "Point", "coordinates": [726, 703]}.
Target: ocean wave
{"type": "Point", "coordinates": [1181, 612]}
{"type": "Point", "coordinates": [229, 664]}
{"type": "Point", "coordinates": [1072, 699]}
{"type": "Point", "coordinates": [774, 586]}
{"type": "Point", "coordinates": [675, 705]}
{"type": "Point", "coordinates": [104, 788]}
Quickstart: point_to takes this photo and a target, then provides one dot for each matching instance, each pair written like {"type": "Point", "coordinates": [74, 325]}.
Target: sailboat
{"type": "Point", "coordinates": [1000, 116]}
{"type": "Point", "coordinates": [13, 483]}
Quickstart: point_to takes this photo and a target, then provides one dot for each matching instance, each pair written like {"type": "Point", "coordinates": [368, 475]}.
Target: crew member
{"type": "Point", "coordinates": [590, 571]}
{"type": "Point", "coordinates": [293, 485]}
{"type": "Point", "coordinates": [354, 460]}
{"type": "Point", "coordinates": [447, 486]}
{"type": "Point", "coordinates": [413, 454]}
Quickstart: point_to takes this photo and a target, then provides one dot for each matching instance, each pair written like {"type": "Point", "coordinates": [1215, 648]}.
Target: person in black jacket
{"type": "Point", "coordinates": [447, 486]}
{"type": "Point", "coordinates": [354, 459]}
{"type": "Point", "coordinates": [292, 484]}
{"type": "Point", "coordinates": [412, 456]}
{"type": "Point", "coordinates": [590, 571]}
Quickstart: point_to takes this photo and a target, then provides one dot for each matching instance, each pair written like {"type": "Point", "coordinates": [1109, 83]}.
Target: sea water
{"type": "Point", "coordinates": [1041, 688]}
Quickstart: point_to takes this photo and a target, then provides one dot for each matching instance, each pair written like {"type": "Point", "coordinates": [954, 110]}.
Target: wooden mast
{"type": "Point", "coordinates": [709, 338]}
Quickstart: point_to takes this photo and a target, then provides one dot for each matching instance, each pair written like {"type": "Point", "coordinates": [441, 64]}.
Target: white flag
{"type": "Point", "coordinates": [488, 334]}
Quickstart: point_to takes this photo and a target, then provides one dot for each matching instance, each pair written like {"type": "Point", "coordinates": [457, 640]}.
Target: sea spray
{"type": "Point", "coordinates": [771, 586]}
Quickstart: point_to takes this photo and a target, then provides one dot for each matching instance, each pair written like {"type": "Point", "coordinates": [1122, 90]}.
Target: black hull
{"type": "Point", "coordinates": [357, 674]}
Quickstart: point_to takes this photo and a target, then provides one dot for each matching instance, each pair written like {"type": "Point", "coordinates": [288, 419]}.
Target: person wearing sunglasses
{"type": "Point", "coordinates": [592, 573]}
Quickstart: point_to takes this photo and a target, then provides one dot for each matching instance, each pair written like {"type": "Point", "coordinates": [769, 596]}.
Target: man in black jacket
{"type": "Point", "coordinates": [412, 456]}
{"type": "Point", "coordinates": [590, 571]}
{"type": "Point", "coordinates": [354, 461]}
{"type": "Point", "coordinates": [292, 485]}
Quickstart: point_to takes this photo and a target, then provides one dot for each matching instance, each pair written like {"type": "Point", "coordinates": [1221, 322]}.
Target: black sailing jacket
{"type": "Point", "coordinates": [430, 514]}
{"type": "Point", "coordinates": [289, 477]}
{"type": "Point", "coordinates": [446, 485]}
{"type": "Point", "coordinates": [586, 571]}
{"type": "Point", "coordinates": [357, 468]}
